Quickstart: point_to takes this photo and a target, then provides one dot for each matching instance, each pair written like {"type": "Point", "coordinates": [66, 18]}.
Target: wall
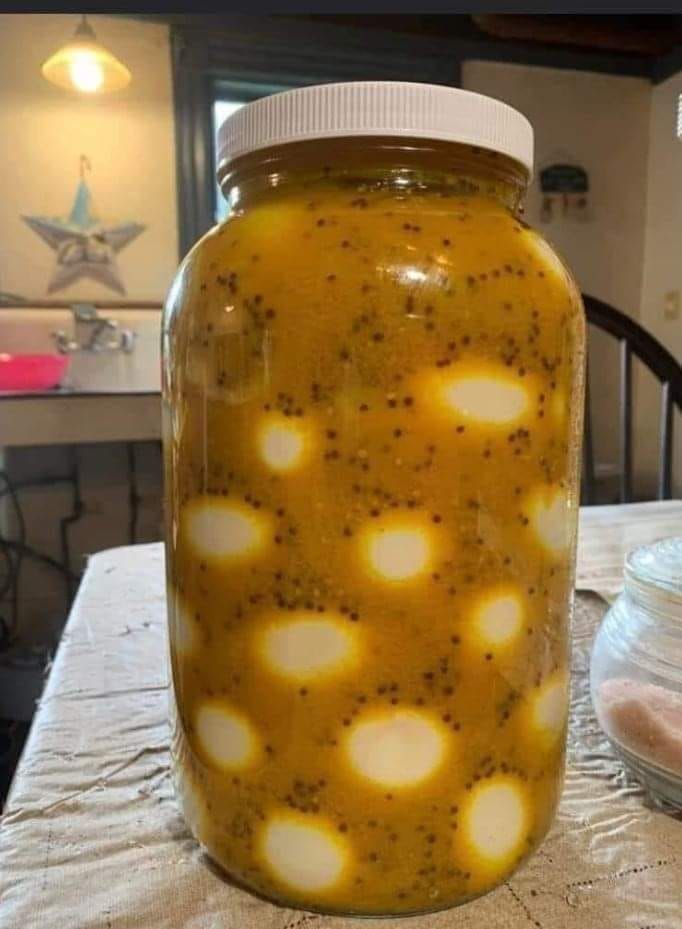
{"type": "Point", "coordinates": [128, 137]}
{"type": "Point", "coordinates": [663, 242]}
{"type": "Point", "coordinates": [602, 123]}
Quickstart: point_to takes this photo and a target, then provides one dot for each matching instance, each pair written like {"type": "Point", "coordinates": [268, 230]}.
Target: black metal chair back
{"type": "Point", "coordinates": [633, 340]}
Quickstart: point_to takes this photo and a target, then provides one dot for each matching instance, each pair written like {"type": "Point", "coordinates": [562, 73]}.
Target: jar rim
{"type": "Point", "coordinates": [400, 109]}
{"type": "Point", "coordinates": [655, 571]}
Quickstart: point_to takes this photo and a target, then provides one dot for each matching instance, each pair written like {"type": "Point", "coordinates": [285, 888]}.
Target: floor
{"type": "Point", "coordinates": [12, 737]}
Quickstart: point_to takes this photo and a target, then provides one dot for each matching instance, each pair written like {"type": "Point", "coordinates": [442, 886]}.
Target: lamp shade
{"type": "Point", "coordinates": [85, 65]}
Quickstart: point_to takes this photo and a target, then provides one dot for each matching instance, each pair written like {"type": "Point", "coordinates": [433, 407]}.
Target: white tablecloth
{"type": "Point", "coordinates": [91, 837]}
{"type": "Point", "coordinates": [608, 533]}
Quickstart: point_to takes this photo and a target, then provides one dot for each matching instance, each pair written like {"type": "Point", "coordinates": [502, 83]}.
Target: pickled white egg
{"type": "Point", "coordinates": [396, 551]}
{"type": "Point", "coordinates": [282, 442]}
{"type": "Point", "coordinates": [226, 529]}
{"type": "Point", "coordinates": [302, 647]}
{"type": "Point", "coordinates": [225, 736]}
{"type": "Point", "coordinates": [305, 853]}
{"type": "Point", "coordinates": [396, 749]}
{"type": "Point", "coordinates": [495, 821]}
{"type": "Point", "coordinates": [550, 707]}
{"type": "Point", "coordinates": [498, 618]}
{"type": "Point", "coordinates": [182, 629]}
{"type": "Point", "coordinates": [551, 518]}
{"type": "Point", "coordinates": [486, 398]}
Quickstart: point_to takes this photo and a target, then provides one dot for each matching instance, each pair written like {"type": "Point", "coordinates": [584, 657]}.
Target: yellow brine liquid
{"type": "Point", "coordinates": [372, 402]}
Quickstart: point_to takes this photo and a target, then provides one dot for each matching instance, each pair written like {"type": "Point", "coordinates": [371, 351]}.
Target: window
{"type": "Point", "coordinates": [221, 110]}
{"type": "Point", "coordinates": [227, 98]}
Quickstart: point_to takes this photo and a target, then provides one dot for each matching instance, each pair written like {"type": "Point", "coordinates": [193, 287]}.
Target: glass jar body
{"type": "Point", "coordinates": [372, 400]}
{"type": "Point", "coordinates": [636, 679]}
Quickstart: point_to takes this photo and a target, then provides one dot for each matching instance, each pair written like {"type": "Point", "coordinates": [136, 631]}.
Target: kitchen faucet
{"type": "Point", "coordinates": [94, 333]}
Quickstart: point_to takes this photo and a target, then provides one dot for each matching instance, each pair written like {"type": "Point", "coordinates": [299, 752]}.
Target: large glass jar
{"type": "Point", "coordinates": [373, 396]}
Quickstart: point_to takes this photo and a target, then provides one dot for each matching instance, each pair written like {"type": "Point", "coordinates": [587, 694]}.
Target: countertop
{"type": "Point", "coordinates": [60, 393]}
{"type": "Point", "coordinates": [70, 417]}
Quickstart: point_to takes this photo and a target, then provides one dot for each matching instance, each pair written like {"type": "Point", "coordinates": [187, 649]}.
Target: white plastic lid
{"type": "Point", "coordinates": [379, 108]}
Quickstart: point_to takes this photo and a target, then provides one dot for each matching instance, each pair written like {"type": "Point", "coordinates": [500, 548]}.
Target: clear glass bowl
{"type": "Point", "coordinates": [636, 669]}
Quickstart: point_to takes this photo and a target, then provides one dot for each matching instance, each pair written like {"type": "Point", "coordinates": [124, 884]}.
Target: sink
{"type": "Point", "coordinates": [30, 330]}
{"type": "Point", "coordinates": [108, 396]}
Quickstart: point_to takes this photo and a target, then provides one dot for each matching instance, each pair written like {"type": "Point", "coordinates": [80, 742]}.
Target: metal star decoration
{"type": "Point", "coordinates": [85, 246]}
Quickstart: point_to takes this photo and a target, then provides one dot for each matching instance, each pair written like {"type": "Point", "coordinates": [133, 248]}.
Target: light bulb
{"type": "Point", "coordinates": [85, 65]}
{"type": "Point", "coordinates": [86, 72]}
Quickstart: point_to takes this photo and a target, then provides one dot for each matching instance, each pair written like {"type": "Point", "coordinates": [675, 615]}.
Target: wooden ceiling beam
{"type": "Point", "coordinates": [617, 34]}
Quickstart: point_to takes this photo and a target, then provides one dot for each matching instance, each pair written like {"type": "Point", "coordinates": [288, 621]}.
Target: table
{"type": "Point", "coordinates": [91, 837]}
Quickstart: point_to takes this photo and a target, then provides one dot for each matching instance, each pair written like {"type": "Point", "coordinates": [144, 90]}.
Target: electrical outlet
{"type": "Point", "coordinates": [671, 305]}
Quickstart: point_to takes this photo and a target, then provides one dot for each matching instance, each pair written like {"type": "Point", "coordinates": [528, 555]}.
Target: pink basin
{"type": "Point", "coordinates": [31, 372]}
